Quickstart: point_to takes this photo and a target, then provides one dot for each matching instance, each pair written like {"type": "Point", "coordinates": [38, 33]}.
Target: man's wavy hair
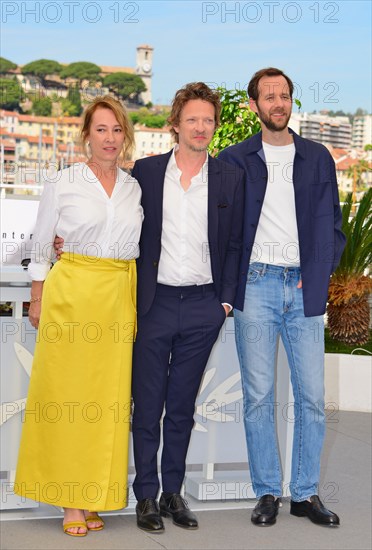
{"type": "Point", "coordinates": [194, 90]}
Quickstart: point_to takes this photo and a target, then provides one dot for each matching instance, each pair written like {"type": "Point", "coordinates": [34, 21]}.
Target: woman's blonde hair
{"type": "Point", "coordinates": [121, 115]}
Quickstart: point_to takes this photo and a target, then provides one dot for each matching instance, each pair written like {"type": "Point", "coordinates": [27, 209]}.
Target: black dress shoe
{"type": "Point", "coordinates": [266, 510]}
{"type": "Point", "coordinates": [315, 511]}
{"type": "Point", "coordinates": [148, 516]}
{"type": "Point", "coordinates": [174, 506]}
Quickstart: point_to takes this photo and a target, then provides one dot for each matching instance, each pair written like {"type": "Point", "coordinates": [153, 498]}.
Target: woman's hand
{"type": "Point", "coordinates": [35, 302]}
{"type": "Point", "coordinates": [34, 313]}
{"type": "Point", "coordinates": [58, 246]}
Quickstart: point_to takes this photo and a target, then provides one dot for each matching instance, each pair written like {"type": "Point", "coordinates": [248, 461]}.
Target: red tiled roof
{"type": "Point", "coordinates": [64, 147]}
{"type": "Point", "coordinates": [107, 69]}
{"type": "Point", "coordinates": [50, 119]}
{"type": "Point", "coordinates": [9, 113]}
{"type": "Point", "coordinates": [338, 153]}
{"type": "Point", "coordinates": [345, 164]}
{"type": "Point", "coordinates": [163, 130]}
{"type": "Point", "coordinates": [13, 135]}
{"type": "Point", "coordinates": [35, 139]}
{"type": "Point", "coordinates": [8, 144]}
{"type": "Point", "coordinates": [31, 139]}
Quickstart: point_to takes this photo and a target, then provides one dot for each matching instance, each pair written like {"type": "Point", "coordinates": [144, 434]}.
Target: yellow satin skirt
{"type": "Point", "coordinates": [74, 445]}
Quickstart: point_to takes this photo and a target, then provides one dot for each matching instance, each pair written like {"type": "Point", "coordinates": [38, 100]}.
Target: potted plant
{"type": "Point", "coordinates": [348, 307]}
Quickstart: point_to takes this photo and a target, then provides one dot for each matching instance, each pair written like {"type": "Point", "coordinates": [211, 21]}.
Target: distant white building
{"type": "Point", "coordinates": [151, 141]}
{"type": "Point", "coordinates": [144, 70]}
{"type": "Point", "coordinates": [362, 131]}
{"type": "Point", "coordinates": [335, 131]}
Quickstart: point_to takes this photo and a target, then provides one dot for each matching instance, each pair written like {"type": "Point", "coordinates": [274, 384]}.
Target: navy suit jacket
{"type": "Point", "coordinates": [318, 214]}
{"type": "Point", "coordinates": [225, 222]}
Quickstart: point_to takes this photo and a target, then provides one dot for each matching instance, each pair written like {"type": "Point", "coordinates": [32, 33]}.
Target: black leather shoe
{"type": "Point", "coordinates": [148, 516]}
{"type": "Point", "coordinates": [266, 510]}
{"type": "Point", "coordinates": [172, 505]}
{"type": "Point", "coordinates": [315, 511]}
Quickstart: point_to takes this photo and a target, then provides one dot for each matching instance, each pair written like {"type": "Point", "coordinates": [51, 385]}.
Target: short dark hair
{"type": "Point", "coordinates": [194, 90]}
{"type": "Point", "coordinates": [269, 71]}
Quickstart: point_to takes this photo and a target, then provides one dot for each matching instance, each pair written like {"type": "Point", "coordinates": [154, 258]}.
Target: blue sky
{"type": "Point", "coordinates": [324, 46]}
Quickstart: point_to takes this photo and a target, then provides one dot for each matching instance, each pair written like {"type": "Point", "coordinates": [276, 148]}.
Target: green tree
{"type": "Point", "coordinates": [134, 116]}
{"type": "Point", "coordinates": [42, 107]}
{"type": "Point", "coordinates": [356, 174]}
{"type": "Point", "coordinates": [42, 68]}
{"type": "Point", "coordinates": [154, 121]}
{"type": "Point", "coordinates": [73, 102]}
{"type": "Point", "coordinates": [238, 122]}
{"type": "Point", "coordinates": [368, 147]}
{"type": "Point", "coordinates": [6, 65]}
{"type": "Point", "coordinates": [82, 70]}
{"type": "Point", "coordinates": [360, 112]}
{"type": "Point", "coordinates": [125, 85]}
{"type": "Point", "coordinates": [151, 120]}
{"type": "Point", "coordinates": [338, 113]}
{"type": "Point", "coordinates": [11, 94]}
{"type": "Point", "coordinates": [68, 108]}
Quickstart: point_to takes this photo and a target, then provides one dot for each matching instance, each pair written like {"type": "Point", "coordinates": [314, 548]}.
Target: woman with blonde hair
{"type": "Point", "coordinates": [74, 446]}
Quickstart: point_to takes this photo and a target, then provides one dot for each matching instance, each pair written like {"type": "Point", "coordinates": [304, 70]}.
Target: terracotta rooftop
{"type": "Point", "coordinates": [50, 119]}
{"type": "Point", "coordinates": [163, 130]}
{"type": "Point", "coordinates": [9, 113]}
{"type": "Point", "coordinates": [345, 164]}
{"type": "Point", "coordinates": [107, 69]}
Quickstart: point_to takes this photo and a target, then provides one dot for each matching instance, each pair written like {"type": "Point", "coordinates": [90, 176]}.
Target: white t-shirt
{"type": "Point", "coordinates": [276, 240]}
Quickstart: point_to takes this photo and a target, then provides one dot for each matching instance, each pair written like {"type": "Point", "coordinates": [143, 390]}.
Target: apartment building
{"type": "Point", "coordinates": [362, 131]}
{"type": "Point", "coordinates": [335, 131]}
{"type": "Point", "coordinates": [28, 142]}
{"type": "Point", "coordinates": [66, 129]}
{"type": "Point", "coordinates": [151, 141]}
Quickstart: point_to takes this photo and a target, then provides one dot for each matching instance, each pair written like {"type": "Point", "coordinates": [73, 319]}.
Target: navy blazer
{"type": "Point", "coordinates": [225, 223]}
{"type": "Point", "coordinates": [318, 214]}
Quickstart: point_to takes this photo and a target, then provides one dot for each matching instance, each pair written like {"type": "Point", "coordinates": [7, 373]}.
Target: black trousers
{"type": "Point", "coordinates": [173, 344]}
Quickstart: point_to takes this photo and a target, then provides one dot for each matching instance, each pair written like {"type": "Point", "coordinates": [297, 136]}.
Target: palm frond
{"type": "Point", "coordinates": [357, 255]}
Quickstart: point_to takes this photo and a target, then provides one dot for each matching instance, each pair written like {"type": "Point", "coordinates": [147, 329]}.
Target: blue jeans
{"type": "Point", "coordinates": [274, 307]}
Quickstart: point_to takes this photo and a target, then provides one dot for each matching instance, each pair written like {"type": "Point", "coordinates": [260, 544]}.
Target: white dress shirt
{"type": "Point", "coordinates": [75, 206]}
{"type": "Point", "coordinates": [184, 258]}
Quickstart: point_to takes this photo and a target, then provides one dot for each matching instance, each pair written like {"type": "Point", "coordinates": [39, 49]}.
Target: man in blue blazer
{"type": "Point", "coordinates": [187, 278]}
{"type": "Point", "coordinates": [292, 243]}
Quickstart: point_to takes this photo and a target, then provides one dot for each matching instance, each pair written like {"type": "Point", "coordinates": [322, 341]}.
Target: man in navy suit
{"type": "Point", "coordinates": [292, 242]}
{"type": "Point", "coordinates": [187, 278]}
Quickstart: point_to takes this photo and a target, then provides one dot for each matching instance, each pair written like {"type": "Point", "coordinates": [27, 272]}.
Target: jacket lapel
{"type": "Point", "coordinates": [158, 186]}
{"type": "Point", "coordinates": [214, 186]}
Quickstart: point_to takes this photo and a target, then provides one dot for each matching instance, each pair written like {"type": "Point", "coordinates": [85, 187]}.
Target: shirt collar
{"type": "Point", "coordinates": [172, 165]}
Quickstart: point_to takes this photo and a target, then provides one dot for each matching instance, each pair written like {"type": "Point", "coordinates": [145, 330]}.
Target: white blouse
{"type": "Point", "coordinates": [75, 206]}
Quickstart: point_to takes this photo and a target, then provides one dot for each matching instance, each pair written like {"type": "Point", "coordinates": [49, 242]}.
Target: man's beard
{"type": "Point", "coordinates": [196, 148]}
{"type": "Point", "coordinates": [271, 124]}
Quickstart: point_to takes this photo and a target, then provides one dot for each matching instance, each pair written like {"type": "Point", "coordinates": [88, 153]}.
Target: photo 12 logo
{"type": "Point", "coordinates": [270, 12]}
{"type": "Point", "coordinates": [69, 12]}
